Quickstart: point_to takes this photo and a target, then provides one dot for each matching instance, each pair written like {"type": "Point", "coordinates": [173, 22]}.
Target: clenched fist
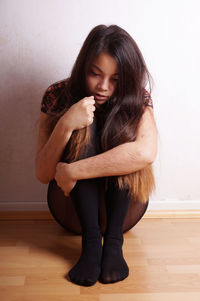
{"type": "Point", "coordinates": [63, 178]}
{"type": "Point", "coordinates": [80, 114]}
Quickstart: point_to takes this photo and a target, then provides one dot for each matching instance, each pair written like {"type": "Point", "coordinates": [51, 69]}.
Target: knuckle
{"type": "Point", "coordinates": [89, 121]}
{"type": "Point", "coordinates": [83, 101]}
{"type": "Point", "coordinates": [87, 112]}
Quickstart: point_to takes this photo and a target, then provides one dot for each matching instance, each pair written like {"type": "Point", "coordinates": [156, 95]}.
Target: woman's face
{"type": "Point", "coordinates": [101, 79]}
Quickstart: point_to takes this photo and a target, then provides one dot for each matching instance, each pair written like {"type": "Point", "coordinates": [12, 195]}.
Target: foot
{"type": "Point", "coordinates": [113, 267]}
{"type": "Point", "coordinates": [87, 270]}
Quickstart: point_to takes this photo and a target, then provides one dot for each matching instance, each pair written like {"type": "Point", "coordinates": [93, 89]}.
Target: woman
{"type": "Point", "coordinates": [98, 137]}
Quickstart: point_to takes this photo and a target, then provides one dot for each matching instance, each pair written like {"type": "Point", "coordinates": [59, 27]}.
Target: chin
{"type": "Point", "coordinates": [100, 102]}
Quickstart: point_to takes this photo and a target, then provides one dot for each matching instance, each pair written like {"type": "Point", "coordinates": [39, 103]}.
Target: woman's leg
{"type": "Point", "coordinates": [134, 214]}
{"type": "Point", "coordinates": [63, 210]}
{"type": "Point", "coordinates": [85, 196]}
{"type": "Point", "coordinates": [62, 207]}
{"type": "Point", "coordinates": [118, 205]}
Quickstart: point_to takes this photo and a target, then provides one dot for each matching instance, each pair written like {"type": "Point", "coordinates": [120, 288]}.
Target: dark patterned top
{"type": "Point", "coordinates": [50, 101]}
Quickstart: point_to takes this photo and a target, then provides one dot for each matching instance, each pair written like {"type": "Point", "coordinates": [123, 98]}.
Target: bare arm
{"type": "Point", "coordinates": [49, 148]}
{"type": "Point", "coordinates": [123, 159]}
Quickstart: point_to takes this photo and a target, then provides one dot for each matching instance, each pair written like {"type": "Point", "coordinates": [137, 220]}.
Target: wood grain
{"type": "Point", "coordinates": [162, 254]}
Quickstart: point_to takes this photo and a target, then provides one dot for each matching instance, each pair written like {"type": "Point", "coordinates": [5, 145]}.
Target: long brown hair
{"type": "Point", "coordinates": [122, 111]}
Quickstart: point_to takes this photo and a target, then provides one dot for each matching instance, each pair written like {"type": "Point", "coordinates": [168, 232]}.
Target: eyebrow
{"type": "Point", "coordinates": [101, 70]}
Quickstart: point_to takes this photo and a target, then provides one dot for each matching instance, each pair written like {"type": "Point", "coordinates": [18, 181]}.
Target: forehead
{"type": "Point", "coordinates": [106, 63]}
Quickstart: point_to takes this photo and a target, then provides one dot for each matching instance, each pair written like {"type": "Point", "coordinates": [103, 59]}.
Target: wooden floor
{"type": "Point", "coordinates": [163, 256]}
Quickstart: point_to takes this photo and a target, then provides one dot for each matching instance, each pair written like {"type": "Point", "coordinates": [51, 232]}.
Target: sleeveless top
{"type": "Point", "coordinates": [50, 100]}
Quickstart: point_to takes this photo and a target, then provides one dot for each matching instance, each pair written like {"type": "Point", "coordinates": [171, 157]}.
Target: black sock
{"type": "Point", "coordinates": [85, 195]}
{"type": "Point", "coordinates": [114, 267]}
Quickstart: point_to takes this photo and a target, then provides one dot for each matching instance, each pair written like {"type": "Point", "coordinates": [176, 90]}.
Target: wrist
{"type": "Point", "coordinates": [64, 126]}
{"type": "Point", "coordinates": [73, 170]}
{"type": "Point", "coordinates": [65, 122]}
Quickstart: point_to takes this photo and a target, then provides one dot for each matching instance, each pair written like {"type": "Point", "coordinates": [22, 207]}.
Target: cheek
{"type": "Point", "coordinates": [91, 83]}
{"type": "Point", "coordinates": [113, 88]}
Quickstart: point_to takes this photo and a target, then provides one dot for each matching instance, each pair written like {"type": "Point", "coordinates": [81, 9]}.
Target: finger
{"type": "Point", "coordinates": [89, 121]}
{"type": "Point", "coordinates": [90, 101]}
{"type": "Point", "coordinates": [92, 115]}
{"type": "Point", "coordinates": [93, 108]}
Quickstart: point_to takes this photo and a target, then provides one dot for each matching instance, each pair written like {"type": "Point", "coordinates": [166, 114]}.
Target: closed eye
{"type": "Point", "coordinates": [94, 73]}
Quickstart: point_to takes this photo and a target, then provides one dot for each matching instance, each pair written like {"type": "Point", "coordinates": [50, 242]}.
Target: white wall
{"type": "Point", "coordinates": [39, 41]}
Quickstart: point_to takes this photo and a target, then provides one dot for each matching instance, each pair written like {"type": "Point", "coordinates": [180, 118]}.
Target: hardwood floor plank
{"type": "Point", "coordinates": [152, 297]}
{"type": "Point", "coordinates": [12, 280]}
{"type": "Point", "coordinates": [183, 269]}
{"type": "Point", "coordinates": [162, 255]}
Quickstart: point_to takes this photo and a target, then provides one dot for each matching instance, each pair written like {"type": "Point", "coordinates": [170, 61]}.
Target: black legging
{"type": "Point", "coordinates": [62, 208]}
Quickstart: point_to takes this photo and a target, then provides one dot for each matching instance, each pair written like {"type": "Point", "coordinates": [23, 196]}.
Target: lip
{"type": "Point", "coordinates": [100, 97]}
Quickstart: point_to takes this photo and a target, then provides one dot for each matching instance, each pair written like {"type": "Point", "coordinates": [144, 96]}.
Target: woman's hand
{"type": "Point", "coordinates": [80, 114]}
{"type": "Point", "coordinates": [63, 178]}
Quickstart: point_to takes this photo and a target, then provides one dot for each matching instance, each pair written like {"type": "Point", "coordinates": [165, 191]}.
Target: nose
{"type": "Point", "coordinates": [103, 84]}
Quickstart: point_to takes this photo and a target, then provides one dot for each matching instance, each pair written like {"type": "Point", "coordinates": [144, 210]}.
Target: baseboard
{"type": "Point", "coordinates": [174, 204]}
{"type": "Point", "coordinates": [164, 205]}
{"type": "Point", "coordinates": [46, 215]}
{"type": "Point", "coordinates": [23, 206]}
{"type": "Point", "coordinates": [172, 214]}
{"type": "Point", "coordinates": [26, 215]}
